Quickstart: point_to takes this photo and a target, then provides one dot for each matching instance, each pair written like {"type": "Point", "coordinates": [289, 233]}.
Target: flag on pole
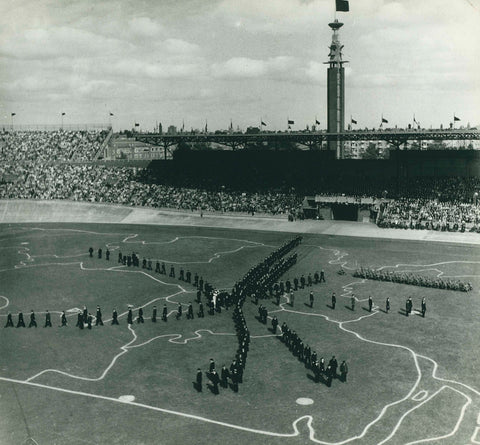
{"type": "Point", "coordinates": [384, 121]}
{"type": "Point", "coordinates": [455, 118]}
{"type": "Point", "coordinates": [353, 120]}
{"type": "Point", "coordinates": [264, 124]}
{"type": "Point", "coordinates": [111, 114]}
{"type": "Point", "coordinates": [290, 122]}
{"type": "Point", "coordinates": [63, 114]}
{"type": "Point", "coordinates": [137, 124]}
{"type": "Point", "coordinates": [206, 127]}
{"type": "Point", "coordinates": [317, 122]}
{"type": "Point", "coordinates": [342, 5]}
{"type": "Point", "coordinates": [14, 114]}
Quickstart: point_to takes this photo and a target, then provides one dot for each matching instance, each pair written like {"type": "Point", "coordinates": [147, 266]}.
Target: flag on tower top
{"type": "Point", "coordinates": [317, 122]}
{"type": "Point", "coordinates": [263, 123]}
{"type": "Point", "coordinates": [353, 120]}
{"type": "Point", "coordinates": [290, 122]}
{"type": "Point", "coordinates": [455, 118]}
{"type": "Point", "coordinates": [384, 121]}
{"type": "Point", "coordinates": [342, 5]}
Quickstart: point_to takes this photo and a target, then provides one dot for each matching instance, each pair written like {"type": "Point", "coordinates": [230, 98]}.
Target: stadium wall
{"type": "Point", "coordinates": [282, 166]}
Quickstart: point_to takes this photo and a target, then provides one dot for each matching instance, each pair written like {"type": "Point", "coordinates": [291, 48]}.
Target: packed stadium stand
{"type": "Point", "coordinates": [62, 165]}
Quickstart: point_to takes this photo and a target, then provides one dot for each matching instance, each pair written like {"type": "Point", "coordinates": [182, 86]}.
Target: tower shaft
{"type": "Point", "coordinates": [336, 90]}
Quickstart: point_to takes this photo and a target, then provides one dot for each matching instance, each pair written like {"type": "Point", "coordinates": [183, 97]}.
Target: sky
{"type": "Point", "coordinates": [245, 61]}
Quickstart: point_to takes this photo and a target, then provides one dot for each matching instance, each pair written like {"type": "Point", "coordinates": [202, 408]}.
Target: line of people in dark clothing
{"type": "Point", "coordinates": [303, 352]}
{"type": "Point", "coordinates": [258, 279]}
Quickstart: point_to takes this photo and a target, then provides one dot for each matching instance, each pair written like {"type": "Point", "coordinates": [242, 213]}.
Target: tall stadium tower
{"type": "Point", "coordinates": [336, 90]}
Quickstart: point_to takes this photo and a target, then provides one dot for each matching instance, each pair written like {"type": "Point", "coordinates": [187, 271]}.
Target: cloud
{"type": "Point", "coordinates": [41, 43]}
{"type": "Point", "coordinates": [178, 46]}
{"type": "Point", "coordinates": [138, 68]}
{"type": "Point", "coordinates": [274, 16]}
{"type": "Point", "coordinates": [244, 67]}
{"type": "Point", "coordinates": [144, 27]}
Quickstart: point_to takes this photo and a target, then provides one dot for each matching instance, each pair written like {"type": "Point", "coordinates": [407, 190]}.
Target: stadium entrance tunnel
{"type": "Point", "coordinates": [345, 212]}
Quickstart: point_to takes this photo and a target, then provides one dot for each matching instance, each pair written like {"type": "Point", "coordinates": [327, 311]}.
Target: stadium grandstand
{"type": "Point", "coordinates": [432, 190]}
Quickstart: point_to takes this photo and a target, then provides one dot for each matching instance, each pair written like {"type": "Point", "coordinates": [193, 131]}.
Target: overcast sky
{"type": "Point", "coordinates": [166, 61]}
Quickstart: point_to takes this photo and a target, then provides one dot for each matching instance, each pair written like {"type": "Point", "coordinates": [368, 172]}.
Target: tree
{"type": "Point", "coordinates": [371, 152]}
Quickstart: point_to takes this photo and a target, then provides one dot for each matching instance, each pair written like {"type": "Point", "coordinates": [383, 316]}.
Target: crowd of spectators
{"type": "Point", "coordinates": [58, 165]}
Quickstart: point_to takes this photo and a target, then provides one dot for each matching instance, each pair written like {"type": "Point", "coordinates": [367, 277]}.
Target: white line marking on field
{"type": "Point", "coordinates": [457, 425]}
{"type": "Point", "coordinates": [476, 436]}
{"type": "Point", "coordinates": [6, 304]}
{"type": "Point", "coordinates": [421, 395]}
{"type": "Point", "coordinates": [163, 410]}
{"type": "Point", "coordinates": [347, 291]}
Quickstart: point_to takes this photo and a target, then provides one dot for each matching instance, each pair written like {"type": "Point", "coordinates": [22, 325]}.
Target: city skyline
{"type": "Point", "coordinates": [194, 62]}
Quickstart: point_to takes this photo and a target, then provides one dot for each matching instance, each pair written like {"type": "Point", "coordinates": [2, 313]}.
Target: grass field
{"type": "Point", "coordinates": [411, 379]}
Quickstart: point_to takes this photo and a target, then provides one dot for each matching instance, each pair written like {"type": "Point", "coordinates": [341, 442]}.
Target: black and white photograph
{"type": "Point", "coordinates": [239, 222]}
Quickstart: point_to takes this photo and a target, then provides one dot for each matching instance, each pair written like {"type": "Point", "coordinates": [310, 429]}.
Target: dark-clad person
{"type": "Point", "coordinates": [387, 305]}
{"type": "Point", "coordinates": [370, 303]}
{"type": "Point", "coordinates": [114, 317]}
{"type": "Point", "coordinates": [164, 313]}
{"type": "Point", "coordinates": [199, 380]}
{"type": "Point", "coordinates": [201, 314]}
{"type": "Point", "coordinates": [215, 379]}
{"type": "Point", "coordinates": [154, 314]}
{"type": "Point", "coordinates": [99, 253]}
{"type": "Point", "coordinates": [329, 374]}
{"type": "Point", "coordinates": [179, 312]}
{"type": "Point", "coordinates": [85, 314]}
{"type": "Point", "coordinates": [90, 251]}
{"type": "Point", "coordinates": [140, 315]}
{"type": "Point", "coordinates": [334, 300]}
{"type": "Point", "coordinates": [48, 319]}
{"type": "Point", "coordinates": [343, 371]}
{"type": "Point", "coordinates": [98, 317]}
{"type": "Point", "coordinates": [274, 324]}
{"type": "Point", "coordinates": [63, 319]}
{"type": "Point", "coordinates": [190, 312]}
{"type": "Point", "coordinates": [89, 321]}
{"type": "Point", "coordinates": [352, 300]}
{"type": "Point", "coordinates": [224, 374]}
{"type": "Point", "coordinates": [9, 321]}
{"type": "Point", "coordinates": [20, 322]}
{"type": "Point", "coordinates": [130, 316]}
{"type": "Point", "coordinates": [211, 366]}
{"type": "Point", "coordinates": [311, 299]}
{"type": "Point", "coordinates": [322, 276]}
{"type": "Point", "coordinates": [424, 307]}
{"type": "Point", "coordinates": [80, 321]}
{"type": "Point", "coordinates": [107, 255]}
{"type": "Point", "coordinates": [334, 365]}
{"type": "Point", "coordinates": [33, 321]}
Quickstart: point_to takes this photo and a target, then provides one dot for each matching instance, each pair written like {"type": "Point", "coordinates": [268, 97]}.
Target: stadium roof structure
{"type": "Point", "coordinates": [396, 137]}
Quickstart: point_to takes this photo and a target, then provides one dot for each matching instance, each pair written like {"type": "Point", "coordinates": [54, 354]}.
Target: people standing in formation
{"type": "Point", "coordinates": [48, 320]}
{"type": "Point", "coordinates": [303, 352]}
{"type": "Point", "coordinates": [114, 317]}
